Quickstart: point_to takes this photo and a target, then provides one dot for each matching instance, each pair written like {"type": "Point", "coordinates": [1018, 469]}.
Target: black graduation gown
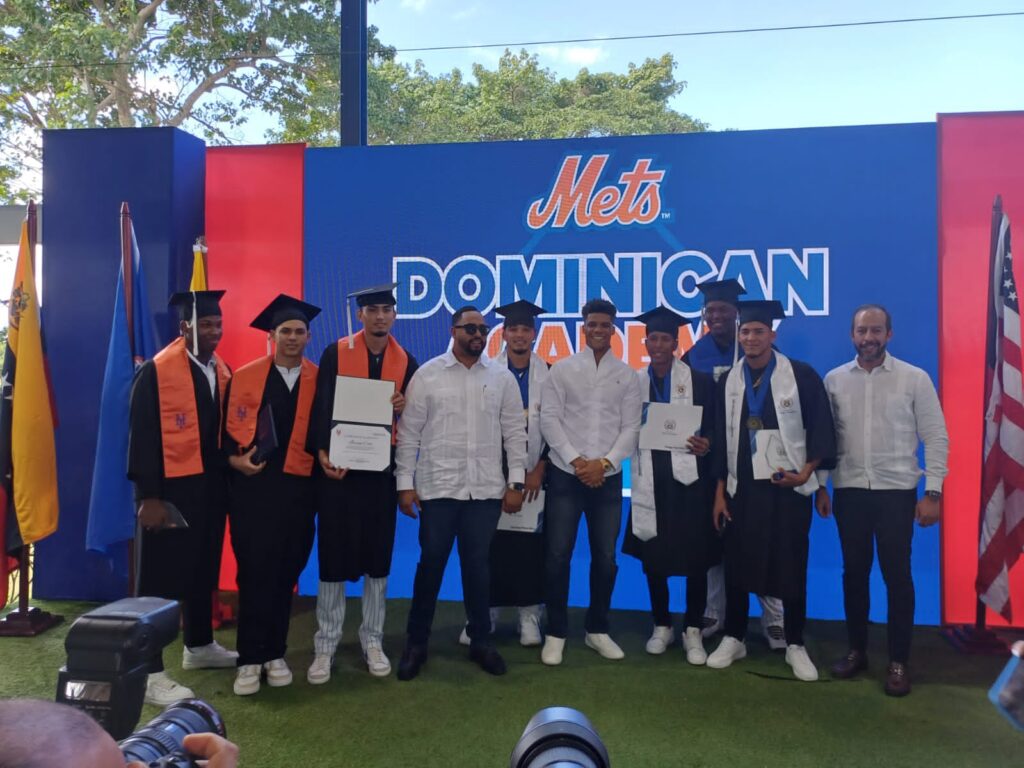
{"type": "Point", "coordinates": [356, 516]}
{"type": "Point", "coordinates": [766, 542]}
{"type": "Point", "coordinates": [686, 543]}
{"type": "Point", "coordinates": [517, 561]}
{"type": "Point", "coordinates": [183, 562]}
{"type": "Point", "coordinates": [272, 526]}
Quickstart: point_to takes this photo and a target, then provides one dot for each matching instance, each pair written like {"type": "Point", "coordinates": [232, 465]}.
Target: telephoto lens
{"type": "Point", "coordinates": [559, 737]}
{"type": "Point", "coordinates": [159, 742]}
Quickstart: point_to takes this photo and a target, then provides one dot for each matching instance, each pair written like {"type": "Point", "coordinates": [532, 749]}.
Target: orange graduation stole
{"type": "Point", "coordinates": [179, 415]}
{"type": "Point", "coordinates": [247, 387]}
{"type": "Point", "coordinates": [354, 362]}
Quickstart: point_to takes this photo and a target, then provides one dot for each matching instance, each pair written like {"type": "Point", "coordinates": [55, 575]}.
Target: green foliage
{"type": "Point", "coordinates": [208, 66]}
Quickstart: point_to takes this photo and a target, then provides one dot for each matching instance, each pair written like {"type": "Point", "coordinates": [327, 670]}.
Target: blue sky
{"type": "Point", "coordinates": [883, 74]}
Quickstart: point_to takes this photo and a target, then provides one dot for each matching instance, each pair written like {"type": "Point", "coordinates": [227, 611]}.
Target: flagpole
{"type": "Point", "coordinates": [26, 621]}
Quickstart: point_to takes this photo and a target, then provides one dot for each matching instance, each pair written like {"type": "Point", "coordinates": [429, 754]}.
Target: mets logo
{"type": "Point", "coordinates": [241, 412]}
{"type": "Point", "coordinates": [17, 305]}
{"type": "Point", "coordinates": [634, 199]}
{"type": "Point", "coordinates": [180, 420]}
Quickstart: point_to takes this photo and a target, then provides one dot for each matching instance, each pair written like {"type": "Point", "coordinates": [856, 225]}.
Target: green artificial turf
{"type": "Point", "coordinates": [649, 710]}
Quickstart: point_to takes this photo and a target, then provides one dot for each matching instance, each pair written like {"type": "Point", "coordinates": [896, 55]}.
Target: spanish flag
{"type": "Point", "coordinates": [28, 460]}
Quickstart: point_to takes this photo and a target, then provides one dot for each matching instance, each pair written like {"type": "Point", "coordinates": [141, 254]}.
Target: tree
{"type": "Point", "coordinates": [519, 99]}
{"type": "Point", "coordinates": [201, 65]}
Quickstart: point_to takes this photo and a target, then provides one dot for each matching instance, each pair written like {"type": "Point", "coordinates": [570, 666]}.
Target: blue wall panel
{"type": "Point", "coordinates": [86, 176]}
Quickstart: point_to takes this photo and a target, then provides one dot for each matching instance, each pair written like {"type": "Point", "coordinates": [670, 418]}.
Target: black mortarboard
{"type": "Point", "coordinates": [281, 310]}
{"type": "Point", "coordinates": [760, 312]}
{"type": "Point", "coordinates": [520, 312]}
{"type": "Point", "coordinates": [663, 320]}
{"type": "Point", "coordinates": [728, 291]}
{"type": "Point", "coordinates": [206, 303]}
{"type": "Point", "coordinates": [378, 294]}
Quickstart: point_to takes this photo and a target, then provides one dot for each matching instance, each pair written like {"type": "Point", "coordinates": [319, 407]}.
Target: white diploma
{"type": "Point", "coordinates": [769, 454]}
{"type": "Point", "coordinates": [526, 520]}
{"type": "Point", "coordinates": [365, 401]}
{"type": "Point", "coordinates": [356, 446]}
{"type": "Point", "coordinates": [667, 426]}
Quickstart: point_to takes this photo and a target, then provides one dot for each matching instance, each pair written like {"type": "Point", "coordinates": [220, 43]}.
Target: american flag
{"type": "Point", "coordinates": [1002, 481]}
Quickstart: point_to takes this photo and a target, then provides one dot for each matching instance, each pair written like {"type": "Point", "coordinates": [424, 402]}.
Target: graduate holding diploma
{"type": "Point", "coordinates": [670, 528]}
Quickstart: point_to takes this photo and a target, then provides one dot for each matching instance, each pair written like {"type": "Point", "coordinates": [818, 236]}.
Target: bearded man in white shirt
{"type": "Point", "coordinates": [882, 408]}
{"type": "Point", "coordinates": [590, 418]}
{"type": "Point", "coordinates": [460, 408]}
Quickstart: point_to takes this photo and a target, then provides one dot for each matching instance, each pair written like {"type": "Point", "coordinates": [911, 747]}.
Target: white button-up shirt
{"type": "Point", "coordinates": [451, 432]}
{"type": "Point", "coordinates": [591, 410]}
{"type": "Point", "coordinates": [290, 375]}
{"type": "Point", "coordinates": [209, 370]}
{"type": "Point", "coordinates": [881, 415]}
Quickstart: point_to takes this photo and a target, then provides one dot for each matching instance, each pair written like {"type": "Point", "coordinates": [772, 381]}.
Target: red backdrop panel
{"type": "Point", "coordinates": [980, 156]}
{"type": "Point", "coordinates": [254, 233]}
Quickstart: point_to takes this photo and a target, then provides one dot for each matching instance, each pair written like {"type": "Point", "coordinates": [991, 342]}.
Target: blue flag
{"type": "Point", "coordinates": [133, 340]}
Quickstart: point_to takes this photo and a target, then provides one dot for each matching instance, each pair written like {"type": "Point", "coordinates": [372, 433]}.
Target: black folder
{"type": "Point", "coordinates": [266, 435]}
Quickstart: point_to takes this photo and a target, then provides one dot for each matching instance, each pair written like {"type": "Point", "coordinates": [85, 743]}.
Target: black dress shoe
{"type": "Point", "coordinates": [413, 659]}
{"type": "Point", "coordinates": [849, 665]}
{"type": "Point", "coordinates": [897, 682]}
{"type": "Point", "coordinates": [490, 660]}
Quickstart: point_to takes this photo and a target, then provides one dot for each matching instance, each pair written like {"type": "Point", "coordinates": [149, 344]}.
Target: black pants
{"type": "Point", "coordinates": [473, 523]}
{"type": "Point", "coordinates": [696, 599]}
{"type": "Point", "coordinates": [196, 623]}
{"type": "Point", "coordinates": [567, 499]}
{"type": "Point", "coordinates": [737, 613]}
{"type": "Point", "coordinates": [865, 517]}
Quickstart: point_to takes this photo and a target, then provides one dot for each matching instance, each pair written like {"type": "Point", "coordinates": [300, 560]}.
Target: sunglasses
{"type": "Point", "coordinates": [472, 329]}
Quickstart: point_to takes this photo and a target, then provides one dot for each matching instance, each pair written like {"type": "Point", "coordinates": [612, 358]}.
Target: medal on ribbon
{"type": "Point", "coordinates": [756, 399]}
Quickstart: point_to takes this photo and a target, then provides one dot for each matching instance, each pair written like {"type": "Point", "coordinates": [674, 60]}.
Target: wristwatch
{"type": "Point", "coordinates": [607, 465]}
{"type": "Point", "coordinates": [933, 494]}
{"type": "Point", "coordinates": [518, 487]}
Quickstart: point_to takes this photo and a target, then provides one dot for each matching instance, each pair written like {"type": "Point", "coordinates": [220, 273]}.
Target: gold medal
{"type": "Point", "coordinates": [754, 422]}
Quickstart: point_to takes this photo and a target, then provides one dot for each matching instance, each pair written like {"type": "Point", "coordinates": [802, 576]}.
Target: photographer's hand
{"type": "Point", "coordinates": [214, 751]}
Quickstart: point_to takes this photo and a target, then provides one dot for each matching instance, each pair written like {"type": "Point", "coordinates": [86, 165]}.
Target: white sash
{"type": "Point", "coordinates": [684, 465]}
{"type": "Point", "coordinates": [538, 375]}
{"type": "Point", "coordinates": [787, 408]}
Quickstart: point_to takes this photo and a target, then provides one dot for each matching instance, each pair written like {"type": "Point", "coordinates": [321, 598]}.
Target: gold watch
{"type": "Point", "coordinates": [607, 465]}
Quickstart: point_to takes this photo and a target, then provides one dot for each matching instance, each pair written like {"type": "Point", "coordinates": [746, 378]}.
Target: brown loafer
{"type": "Point", "coordinates": [849, 665]}
{"type": "Point", "coordinates": [897, 683]}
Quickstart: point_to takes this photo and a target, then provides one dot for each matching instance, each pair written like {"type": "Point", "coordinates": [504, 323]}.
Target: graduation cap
{"type": "Point", "coordinates": [728, 291]}
{"type": "Point", "coordinates": [192, 305]}
{"type": "Point", "coordinates": [281, 310]}
{"type": "Point", "coordinates": [662, 320]}
{"type": "Point", "coordinates": [377, 294]}
{"type": "Point", "coordinates": [520, 312]}
{"type": "Point", "coordinates": [760, 312]}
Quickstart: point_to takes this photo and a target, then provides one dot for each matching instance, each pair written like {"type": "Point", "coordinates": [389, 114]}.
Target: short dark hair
{"type": "Point", "coordinates": [40, 733]}
{"type": "Point", "coordinates": [599, 306]}
{"type": "Point", "coordinates": [865, 307]}
{"type": "Point", "coordinates": [458, 313]}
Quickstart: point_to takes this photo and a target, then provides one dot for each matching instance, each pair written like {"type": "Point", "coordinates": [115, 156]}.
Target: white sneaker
{"type": "Point", "coordinates": [693, 644]}
{"type": "Point", "coordinates": [728, 651]}
{"type": "Point", "coordinates": [377, 662]}
{"type": "Point", "coordinates": [803, 667]}
{"type": "Point", "coordinates": [529, 628]}
{"type": "Point", "coordinates": [464, 635]}
{"type": "Point", "coordinates": [162, 691]}
{"type": "Point", "coordinates": [278, 673]}
{"type": "Point", "coordinates": [711, 625]}
{"type": "Point", "coordinates": [212, 656]}
{"type": "Point", "coordinates": [247, 681]}
{"type": "Point", "coordinates": [604, 645]}
{"type": "Point", "coordinates": [551, 654]}
{"type": "Point", "coordinates": [319, 671]}
{"type": "Point", "coordinates": [775, 635]}
{"type": "Point", "coordinates": [661, 639]}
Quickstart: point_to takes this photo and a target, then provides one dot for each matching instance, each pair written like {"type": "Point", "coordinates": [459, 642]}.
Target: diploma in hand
{"type": "Point", "coordinates": [361, 424]}
{"type": "Point", "coordinates": [667, 426]}
{"type": "Point", "coordinates": [526, 520]}
{"type": "Point", "coordinates": [769, 454]}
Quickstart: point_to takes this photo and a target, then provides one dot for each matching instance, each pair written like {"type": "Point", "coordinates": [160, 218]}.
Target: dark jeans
{"type": "Point", "coordinates": [696, 599]}
{"type": "Point", "coordinates": [473, 522]}
{"type": "Point", "coordinates": [567, 499]}
{"type": "Point", "coordinates": [886, 517]}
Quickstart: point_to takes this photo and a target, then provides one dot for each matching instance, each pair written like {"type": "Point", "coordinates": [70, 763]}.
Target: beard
{"type": "Point", "coordinates": [871, 351]}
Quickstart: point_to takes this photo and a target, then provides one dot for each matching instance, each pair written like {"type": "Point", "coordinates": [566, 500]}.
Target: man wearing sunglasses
{"type": "Point", "coordinates": [461, 407]}
{"type": "Point", "coordinates": [590, 417]}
